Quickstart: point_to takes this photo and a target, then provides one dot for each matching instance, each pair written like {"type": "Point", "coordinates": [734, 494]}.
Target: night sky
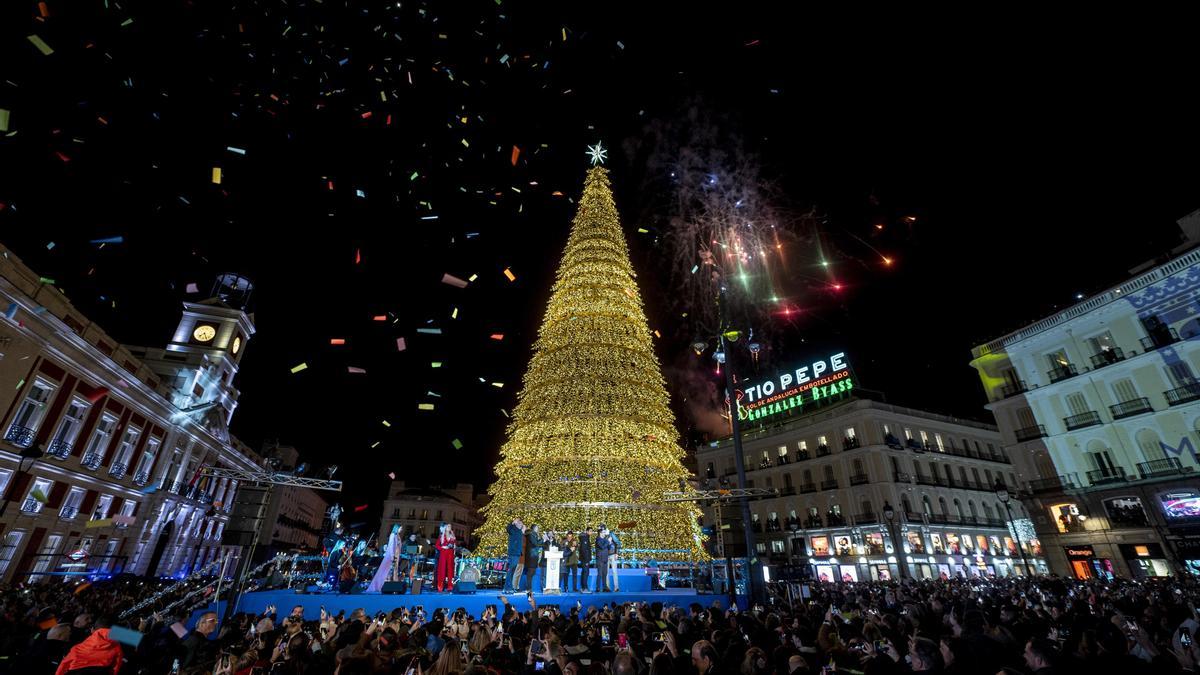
{"type": "Point", "coordinates": [1035, 169]}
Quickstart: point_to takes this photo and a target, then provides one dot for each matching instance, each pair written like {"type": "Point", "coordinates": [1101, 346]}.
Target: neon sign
{"type": "Point", "coordinates": [789, 390]}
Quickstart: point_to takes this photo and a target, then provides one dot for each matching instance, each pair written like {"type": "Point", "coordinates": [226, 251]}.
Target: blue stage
{"type": "Point", "coordinates": [285, 600]}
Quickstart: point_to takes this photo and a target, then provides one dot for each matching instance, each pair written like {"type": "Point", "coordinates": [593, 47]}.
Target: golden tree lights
{"type": "Point", "coordinates": [592, 438]}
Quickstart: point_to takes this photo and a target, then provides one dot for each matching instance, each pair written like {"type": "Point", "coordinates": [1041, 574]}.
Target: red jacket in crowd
{"type": "Point", "coordinates": [96, 651]}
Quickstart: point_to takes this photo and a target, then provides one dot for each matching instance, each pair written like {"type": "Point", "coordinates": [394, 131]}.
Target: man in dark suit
{"type": "Point", "coordinates": [516, 548]}
{"type": "Point", "coordinates": [585, 558]}
{"type": "Point", "coordinates": [604, 548]}
{"type": "Point", "coordinates": [534, 544]}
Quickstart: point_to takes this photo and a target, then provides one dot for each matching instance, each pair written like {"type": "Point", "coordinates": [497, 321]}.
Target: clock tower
{"type": "Point", "coordinates": [202, 359]}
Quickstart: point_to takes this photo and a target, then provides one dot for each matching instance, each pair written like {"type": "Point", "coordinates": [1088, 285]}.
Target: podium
{"type": "Point", "coordinates": [553, 557]}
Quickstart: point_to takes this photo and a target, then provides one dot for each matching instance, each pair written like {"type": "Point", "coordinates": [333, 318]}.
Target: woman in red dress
{"type": "Point", "coordinates": [446, 544]}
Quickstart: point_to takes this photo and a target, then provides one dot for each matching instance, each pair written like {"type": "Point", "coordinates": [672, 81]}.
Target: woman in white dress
{"type": "Point", "coordinates": [388, 564]}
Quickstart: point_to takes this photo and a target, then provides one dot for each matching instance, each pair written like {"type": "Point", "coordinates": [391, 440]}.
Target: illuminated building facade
{"type": "Point", "coordinates": [101, 441]}
{"type": "Point", "coordinates": [1103, 399]}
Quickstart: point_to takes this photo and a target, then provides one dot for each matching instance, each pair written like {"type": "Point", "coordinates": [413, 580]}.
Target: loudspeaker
{"type": "Point", "coordinates": [393, 588]}
{"type": "Point", "coordinates": [416, 586]}
{"type": "Point", "coordinates": [464, 588]}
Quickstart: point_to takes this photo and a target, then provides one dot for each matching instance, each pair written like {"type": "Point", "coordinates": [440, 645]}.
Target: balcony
{"type": "Point", "coordinates": [59, 449]}
{"type": "Point", "coordinates": [922, 479]}
{"type": "Point", "coordinates": [813, 521]}
{"type": "Point", "coordinates": [1087, 419]}
{"type": "Point", "coordinates": [1030, 433]}
{"type": "Point", "coordinates": [901, 477]}
{"type": "Point", "coordinates": [91, 461]}
{"type": "Point", "coordinates": [1130, 408]}
{"type": "Point", "coordinates": [1061, 372]}
{"type": "Point", "coordinates": [31, 505]}
{"type": "Point", "coordinates": [22, 437]}
{"type": "Point", "coordinates": [117, 470]}
{"type": "Point", "coordinates": [866, 519]}
{"type": "Point", "coordinates": [176, 487]}
{"type": "Point", "coordinates": [1115, 474]}
{"type": "Point", "coordinates": [1160, 338]}
{"type": "Point", "coordinates": [141, 478]}
{"type": "Point", "coordinates": [913, 517]}
{"type": "Point", "coordinates": [1052, 484]}
{"type": "Point", "coordinates": [1013, 388]}
{"type": "Point", "coordinates": [801, 455]}
{"type": "Point", "coordinates": [851, 443]}
{"type": "Point", "coordinates": [808, 488]}
{"type": "Point", "coordinates": [786, 491]}
{"type": "Point", "coordinates": [68, 512]}
{"type": "Point", "coordinates": [835, 519]}
{"type": "Point", "coordinates": [1158, 468]}
{"type": "Point", "coordinates": [1185, 394]}
{"type": "Point", "coordinates": [859, 479]}
{"type": "Point", "coordinates": [892, 442]}
{"type": "Point", "coordinates": [1107, 357]}
{"type": "Point", "coordinates": [829, 484]}
{"type": "Point", "coordinates": [823, 450]}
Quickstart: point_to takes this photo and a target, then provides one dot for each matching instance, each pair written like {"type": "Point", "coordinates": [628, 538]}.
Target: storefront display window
{"type": "Point", "coordinates": [952, 545]}
{"type": "Point", "coordinates": [875, 544]}
{"type": "Point", "coordinates": [995, 542]}
{"type": "Point", "coordinates": [1125, 512]}
{"type": "Point", "coordinates": [1067, 517]}
{"type": "Point", "coordinates": [981, 543]}
{"type": "Point", "coordinates": [1010, 546]}
{"type": "Point", "coordinates": [820, 546]}
{"type": "Point", "coordinates": [916, 543]}
{"type": "Point", "coordinates": [1146, 560]}
{"type": "Point", "coordinates": [1180, 506]}
{"type": "Point", "coordinates": [843, 547]}
{"type": "Point", "coordinates": [936, 541]}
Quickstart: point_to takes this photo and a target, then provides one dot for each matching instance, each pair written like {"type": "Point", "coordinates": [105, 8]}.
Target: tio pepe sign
{"type": "Point", "coordinates": [792, 389]}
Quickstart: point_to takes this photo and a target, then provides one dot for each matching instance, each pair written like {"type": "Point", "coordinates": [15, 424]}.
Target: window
{"type": "Point", "coordinates": [803, 446]}
{"type": "Point", "coordinates": [926, 506]}
{"type": "Point", "coordinates": [5, 476]}
{"type": "Point", "coordinates": [1148, 442]}
{"type": "Point", "coordinates": [962, 473]}
{"type": "Point", "coordinates": [46, 555]}
{"type": "Point", "coordinates": [1057, 359]}
{"type": "Point", "coordinates": [68, 429]}
{"type": "Point", "coordinates": [146, 461]}
{"type": "Point", "coordinates": [103, 504]}
{"type": "Point", "coordinates": [93, 454]}
{"type": "Point", "coordinates": [887, 430]}
{"type": "Point", "coordinates": [125, 449]}
{"type": "Point", "coordinates": [924, 438]}
{"type": "Point", "coordinates": [958, 508]}
{"type": "Point", "coordinates": [907, 434]}
{"type": "Point", "coordinates": [1077, 404]}
{"type": "Point", "coordinates": [9, 550]}
{"type": "Point", "coordinates": [439, 515]}
{"type": "Point", "coordinates": [1101, 343]}
{"type": "Point", "coordinates": [858, 467]}
{"type": "Point", "coordinates": [822, 441]}
{"type": "Point", "coordinates": [850, 433]}
{"type": "Point", "coordinates": [937, 440]}
{"type": "Point", "coordinates": [424, 514]}
{"type": "Point", "coordinates": [971, 508]}
{"type": "Point", "coordinates": [35, 499]}
{"type": "Point", "coordinates": [1179, 373]}
{"type": "Point", "coordinates": [1067, 517]}
{"type": "Point", "coordinates": [70, 507]}
{"type": "Point", "coordinates": [975, 474]}
{"type": "Point", "coordinates": [783, 451]}
{"type": "Point", "coordinates": [991, 449]}
{"type": "Point", "coordinates": [1125, 512]}
{"type": "Point", "coordinates": [777, 546]}
{"type": "Point", "coordinates": [29, 414]}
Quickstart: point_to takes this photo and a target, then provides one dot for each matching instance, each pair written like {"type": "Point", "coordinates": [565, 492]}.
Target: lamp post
{"type": "Point", "coordinates": [33, 454]}
{"type": "Point", "coordinates": [1004, 497]}
{"type": "Point", "coordinates": [889, 514]}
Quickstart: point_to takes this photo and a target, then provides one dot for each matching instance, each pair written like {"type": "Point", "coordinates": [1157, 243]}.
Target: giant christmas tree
{"type": "Point", "coordinates": [593, 439]}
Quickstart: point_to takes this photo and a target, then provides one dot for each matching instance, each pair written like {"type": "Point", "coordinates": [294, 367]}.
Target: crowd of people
{"type": "Point", "coordinates": [1036, 626]}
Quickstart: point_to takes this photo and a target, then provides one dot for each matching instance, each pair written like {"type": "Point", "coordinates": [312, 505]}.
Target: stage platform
{"type": "Point", "coordinates": [285, 600]}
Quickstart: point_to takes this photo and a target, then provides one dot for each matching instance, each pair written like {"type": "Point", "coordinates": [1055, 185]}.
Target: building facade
{"type": "Point", "coordinates": [295, 515]}
{"type": "Point", "coordinates": [1103, 399]}
{"type": "Point", "coordinates": [839, 467]}
{"type": "Point", "coordinates": [102, 442]}
{"type": "Point", "coordinates": [423, 510]}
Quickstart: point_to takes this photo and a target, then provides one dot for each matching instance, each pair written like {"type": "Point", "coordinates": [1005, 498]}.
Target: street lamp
{"type": "Point", "coordinates": [1004, 497]}
{"type": "Point", "coordinates": [33, 453]}
{"type": "Point", "coordinates": [889, 514]}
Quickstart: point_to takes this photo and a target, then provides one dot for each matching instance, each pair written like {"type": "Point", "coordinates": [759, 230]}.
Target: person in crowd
{"type": "Point", "coordinates": [96, 654]}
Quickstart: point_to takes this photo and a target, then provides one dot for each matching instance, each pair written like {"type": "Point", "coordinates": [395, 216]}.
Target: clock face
{"type": "Point", "coordinates": [204, 333]}
{"type": "Point", "coordinates": [237, 343]}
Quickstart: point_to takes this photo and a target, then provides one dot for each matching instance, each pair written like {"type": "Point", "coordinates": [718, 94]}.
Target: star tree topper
{"type": "Point", "coordinates": [597, 153]}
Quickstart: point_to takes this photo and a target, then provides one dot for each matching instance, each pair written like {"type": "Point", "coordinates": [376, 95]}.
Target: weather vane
{"type": "Point", "coordinates": [598, 154]}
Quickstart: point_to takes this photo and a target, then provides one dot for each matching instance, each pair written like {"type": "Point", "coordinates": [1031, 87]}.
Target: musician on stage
{"type": "Point", "coordinates": [389, 567]}
{"type": "Point", "coordinates": [446, 543]}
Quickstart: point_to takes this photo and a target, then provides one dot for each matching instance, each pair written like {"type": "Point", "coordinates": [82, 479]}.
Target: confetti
{"type": "Point", "coordinates": [4, 114]}
{"type": "Point", "coordinates": [236, 151]}
{"type": "Point", "coordinates": [302, 366]}
{"type": "Point", "coordinates": [516, 152]}
{"type": "Point", "coordinates": [11, 312]}
{"type": "Point", "coordinates": [360, 508]}
{"type": "Point", "coordinates": [400, 346]}
{"type": "Point", "coordinates": [453, 281]}
{"type": "Point", "coordinates": [430, 331]}
{"type": "Point", "coordinates": [379, 317]}
{"type": "Point", "coordinates": [387, 423]}
{"type": "Point", "coordinates": [93, 524]}
{"type": "Point", "coordinates": [50, 246]}
{"type": "Point", "coordinates": [108, 240]}
{"type": "Point", "coordinates": [216, 175]}
{"type": "Point", "coordinates": [435, 364]}
{"type": "Point", "coordinates": [337, 341]}
{"type": "Point", "coordinates": [458, 445]}
{"type": "Point", "coordinates": [357, 256]}
{"type": "Point", "coordinates": [354, 370]}
{"type": "Point", "coordinates": [508, 273]}
{"type": "Point", "coordinates": [392, 475]}
{"type": "Point", "coordinates": [193, 288]}
{"type": "Point", "coordinates": [41, 45]}
{"type": "Point", "coordinates": [97, 394]}
{"type": "Point", "coordinates": [497, 336]}
{"type": "Point", "coordinates": [424, 406]}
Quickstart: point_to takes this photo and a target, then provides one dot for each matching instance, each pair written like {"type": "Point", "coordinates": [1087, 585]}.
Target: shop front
{"type": "Point", "coordinates": [1187, 550]}
{"type": "Point", "coordinates": [1085, 565]}
{"type": "Point", "coordinates": [1145, 560]}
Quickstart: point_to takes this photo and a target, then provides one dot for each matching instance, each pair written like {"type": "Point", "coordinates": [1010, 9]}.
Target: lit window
{"type": "Point", "coordinates": [937, 440]}
{"type": "Point", "coordinates": [68, 429]}
{"type": "Point", "coordinates": [29, 414]}
{"type": "Point", "coordinates": [850, 433]}
{"type": "Point", "coordinates": [907, 434]}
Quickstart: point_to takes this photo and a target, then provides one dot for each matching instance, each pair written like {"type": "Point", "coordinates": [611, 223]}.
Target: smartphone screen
{"type": "Point", "coordinates": [1185, 638]}
{"type": "Point", "coordinates": [540, 665]}
{"type": "Point", "coordinates": [622, 640]}
{"type": "Point", "coordinates": [605, 635]}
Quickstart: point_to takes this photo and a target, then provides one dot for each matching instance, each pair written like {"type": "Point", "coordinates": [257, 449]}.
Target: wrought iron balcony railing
{"type": "Point", "coordinates": [117, 470]}
{"type": "Point", "coordinates": [22, 437]}
{"type": "Point", "coordinates": [1087, 419]}
{"type": "Point", "coordinates": [141, 478]}
{"type": "Point", "coordinates": [59, 449]}
{"type": "Point", "coordinates": [1107, 357]}
{"type": "Point", "coordinates": [1115, 474]}
{"type": "Point", "coordinates": [1030, 433]}
{"type": "Point", "coordinates": [91, 460]}
{"type": "Point", "coordinates": [1157, 468]}
{"type": "Point", "coordinates": [1061, 372]}
{"type": "Point", "coordinates": [1185, 394]}
{"type": "Point", "coordinates": [68, 512]}
{"type": "Point", "coordinates": [1130, 408]}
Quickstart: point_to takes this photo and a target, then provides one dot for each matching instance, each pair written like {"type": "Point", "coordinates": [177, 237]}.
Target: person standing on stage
{"type": "Point", "coordinates": [585, 557]}
{"type": "Point", "coordinates": [446, 544]}
{"type": "Point", "coordinates": [389, 564]}
{"type": "Point", "coordinates": [612, 561]}
{"type": "Point", "coordinates": [533, 555]}
{"type": "Point", "coordinates": [516, 551]}
{"type": "Point", "coordinates": [604, 548]}
{"type": "Point", "coordinates": [571, 548]}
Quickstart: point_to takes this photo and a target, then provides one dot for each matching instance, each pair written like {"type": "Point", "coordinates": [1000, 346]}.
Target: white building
{"type": "Point", "coordinates": [1103, 399]}
{"type": "Point", "coordinates": [837, 465]}
{"type": "Point", "coordinates": [422, 510]}
{"type": "Point", "coordinates": [123, 432]}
